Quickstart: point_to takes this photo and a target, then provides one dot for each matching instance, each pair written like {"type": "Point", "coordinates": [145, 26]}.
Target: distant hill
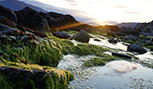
{"type": "Point", "coordinates": [131, 25]}
{"type": "Point", "coordinates": [18, 5]}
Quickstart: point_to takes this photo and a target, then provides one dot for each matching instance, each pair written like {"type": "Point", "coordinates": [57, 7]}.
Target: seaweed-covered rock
{"type": "Point", "coordinates": [82, 37]}
{"type": "Point", "coordinates": [61, 35]}
{"type": "Point", "coordinates": [31, 76]}
{"type": "Point", "coordinates": [4, 29]}
{"type": "Point", "coordinates": [136, 48]}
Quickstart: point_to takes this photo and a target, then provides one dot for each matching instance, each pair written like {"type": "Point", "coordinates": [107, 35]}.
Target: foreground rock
{"type": "Point", "coordinates": [82, 37]}
{"type": "Point", "coordinates": [61, 35]}
{"type": "Point", "coordinates": [32, 77]}
{"type": "Point", "coordinates": [114, 41]}
{"type": "Point", "coordinates": [136, 48]}
{"type": "Point", "coordinates": [121, 55]}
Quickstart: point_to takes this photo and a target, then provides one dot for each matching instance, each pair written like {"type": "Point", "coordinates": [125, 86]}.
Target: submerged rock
{"type": "Point", "coordinates": [96, 39]}
{"type": "Point", "coordinates": [114, 41]}
{"type": "Point", "coordinates": [61, 35]}
{"type": "Point", "coordinates": [121, 55]}
{"type": "Point", "coordinates": [82, 37]}
{"type": "Point", "coordinates": [136, 48]}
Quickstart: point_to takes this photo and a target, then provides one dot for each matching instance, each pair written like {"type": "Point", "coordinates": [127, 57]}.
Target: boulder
{"type": "Point", "coordinates": [82, 37]}
{"type": "Point", "coordinates": [61, 35]}
{"type": "Point", "coordinates": [136, 48]}
{"type": "Point", "coordinates": [121, 55]}
{"type": "Point", "coordinates": [8, 13]}
{"type": "Point", "coordinates": [114, 41]}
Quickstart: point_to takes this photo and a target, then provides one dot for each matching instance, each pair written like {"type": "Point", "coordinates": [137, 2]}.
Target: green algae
{"type": "Point", "coordinates": [94, 62]}
{"type": "Point", "coordinates": [100, 60]}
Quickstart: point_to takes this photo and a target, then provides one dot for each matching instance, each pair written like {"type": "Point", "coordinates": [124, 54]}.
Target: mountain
{"type": "Point", "coordinates": [130, 24]}
{"type": "Point", "coordinates": [18, 5]}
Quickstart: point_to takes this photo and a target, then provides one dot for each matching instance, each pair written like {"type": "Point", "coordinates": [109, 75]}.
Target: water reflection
{"type": "Point", "coordinates": [115, 74]}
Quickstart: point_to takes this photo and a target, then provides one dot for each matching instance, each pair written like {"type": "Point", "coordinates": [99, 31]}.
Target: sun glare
{"type": "Point", "coordinates": [104, 11]}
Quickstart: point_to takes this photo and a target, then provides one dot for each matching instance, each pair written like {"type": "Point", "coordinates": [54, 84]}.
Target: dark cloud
{"type": "Point", "coordinates": [119, 6]}
{"type": "Point", "coordinates": [131, 12]}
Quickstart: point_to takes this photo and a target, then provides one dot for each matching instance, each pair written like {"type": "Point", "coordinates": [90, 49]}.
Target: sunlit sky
{"type": "Point", "coordinates": [107, 11]}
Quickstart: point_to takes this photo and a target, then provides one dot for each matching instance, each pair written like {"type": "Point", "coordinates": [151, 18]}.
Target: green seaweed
{"type": "Point", "coordinates": [94, 62]}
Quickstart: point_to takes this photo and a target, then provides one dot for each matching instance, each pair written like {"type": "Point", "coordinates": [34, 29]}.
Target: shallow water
{"type": "Point", "coordinates": [118, 74]}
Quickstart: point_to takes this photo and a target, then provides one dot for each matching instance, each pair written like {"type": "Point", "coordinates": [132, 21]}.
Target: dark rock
{"type": "Point", "coordinates": [82, 37]}
{"type": "Point", "coordinates": [139, 43]}
{"type": "Point", "coordinates": [38, 21]}
{"type": "Point", "coordinates": [61, 35]}
{"type": "Point", "coordinates": [33, 19]}
{"type": "Point", "coordinates": [114, 41]}
{"type": "Point", "coordinates": [151, 39]}
{"type": "Point", "coordinates": [122, 55]}
{"type": "Point", "coordinates": [96, 39]}
{"type": "Point", "coordinates": [21, 27]}
{"type": "Point", "coordinates": [136, 48]}
{"type": "Point", "coordinates": [8, 13]}
{"type": "Point", "coordinates": [131, 37]}
{"type": "Point", "coordinates": [148, 43]}
{"type": "Point", "coordinates": [151, 49]}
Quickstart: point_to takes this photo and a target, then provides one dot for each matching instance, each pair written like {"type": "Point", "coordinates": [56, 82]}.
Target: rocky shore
{"type": "Point", "coordinates": [32, 44]}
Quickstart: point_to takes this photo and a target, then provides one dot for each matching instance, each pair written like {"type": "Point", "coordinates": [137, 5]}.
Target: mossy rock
{"type": "Point", "coordinates": [32, 76]}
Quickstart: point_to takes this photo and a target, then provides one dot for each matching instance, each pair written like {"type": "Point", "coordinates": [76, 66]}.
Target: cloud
{"type": "Point", "coordinates": [131, 12]}
{"type": "Point", "coordinates": [119, 6]}
{"type": "Point", "coordinates": [111, 22]}
{"type": "Point", "coordinates": [71, 1]}
{"type": "Point", "coordinates": [127, 69]}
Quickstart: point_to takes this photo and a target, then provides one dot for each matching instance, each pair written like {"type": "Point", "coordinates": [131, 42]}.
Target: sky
{"type": "Point", "coordinates": [105, 11]}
